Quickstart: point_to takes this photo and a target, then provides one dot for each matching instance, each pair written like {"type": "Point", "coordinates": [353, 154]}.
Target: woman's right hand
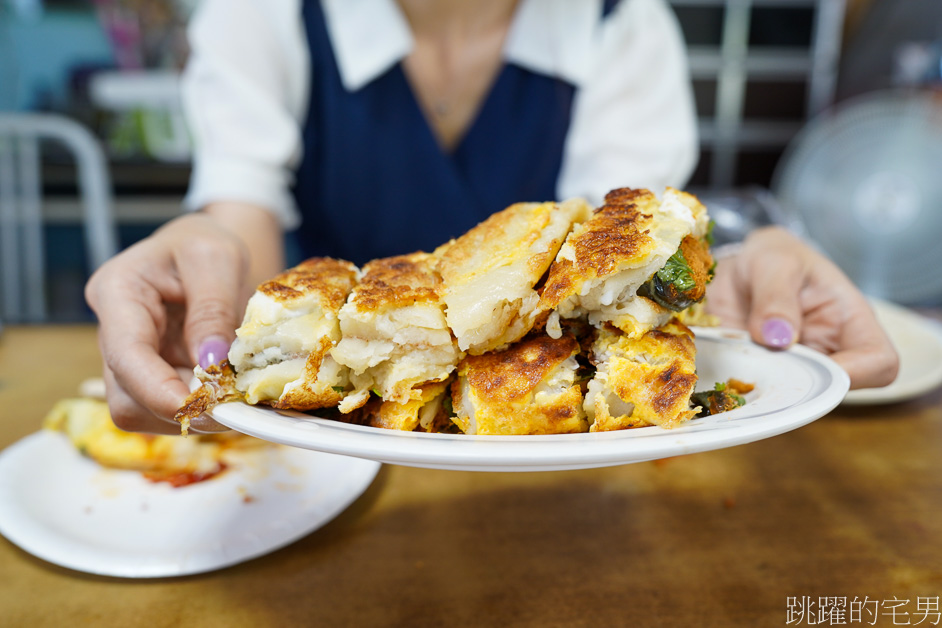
{"type": "Point", "coordinates": [169, 302]}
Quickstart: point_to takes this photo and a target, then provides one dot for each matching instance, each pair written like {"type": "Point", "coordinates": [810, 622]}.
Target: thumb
{"type": "Point", "coordinates": [775, 314]}
{"type": "Point", "coordinates": [212, 289]}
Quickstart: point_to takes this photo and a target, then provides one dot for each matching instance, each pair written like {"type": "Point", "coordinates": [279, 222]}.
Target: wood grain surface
{"type": "Point", "coordinates": [849, 506]}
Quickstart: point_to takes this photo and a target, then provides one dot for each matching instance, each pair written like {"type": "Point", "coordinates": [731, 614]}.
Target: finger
{"type": "Point", "coordinates": [129, 340]}
{"type": "Point", "coordinates": [869, 358]}
{"type": "Point", "coordinates": [868, 367]}
{"type": "Point", "coordinates": [776, 282]}
{"type": "Point", "coordinates": [173, 347]}
{"type": "Point", "coordinates": [131, 416]}
{"type": "Point", "coordinates": [724, 299]}
{"type": "Point", "coordinates": [212, 272]}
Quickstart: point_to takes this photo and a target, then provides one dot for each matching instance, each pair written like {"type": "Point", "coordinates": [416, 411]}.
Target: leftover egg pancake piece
{"type": "Point", "coordinates": [218, 386]}
{"type": "Point", "coordinates": [490, 273]}
{"type": "Point", "coordinates": [528, 388]}
{"type": "Point", "coordinates": [88, 425]}
{"type": "Point", "coordinates": [645, 380]}
{"type": "Point", "coordinates": [281, 354]}
{"type": "Point", "coordinates": [394, 333]}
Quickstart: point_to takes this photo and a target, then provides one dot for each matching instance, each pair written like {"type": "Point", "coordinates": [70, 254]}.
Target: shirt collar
{"type": "Point", "coordinates": [554, 37]}
{"type": "Point", "coordinates": [368, 37]}
{"type": "Point", "coordinates": [551, 37]}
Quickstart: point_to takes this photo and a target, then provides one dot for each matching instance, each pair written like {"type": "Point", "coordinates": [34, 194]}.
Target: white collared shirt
{"type": "Point", "coordinates": [246, 86]}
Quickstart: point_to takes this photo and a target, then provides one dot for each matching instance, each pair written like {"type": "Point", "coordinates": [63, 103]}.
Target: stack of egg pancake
{"type": "Point", "coordinates": [546, 318]}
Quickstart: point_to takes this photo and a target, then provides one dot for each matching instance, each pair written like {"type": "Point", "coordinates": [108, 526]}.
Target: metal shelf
{"type": "Point", "coordinates": [734, 63]}
{"type": "Point", "coordinates": [751, 133]}
{"type": "Point", "coordinates": [707, 62]}
{"type": "Point", "coordinates": [799, 4]}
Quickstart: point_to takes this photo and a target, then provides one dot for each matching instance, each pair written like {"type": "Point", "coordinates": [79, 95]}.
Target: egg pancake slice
{"type": "Point", "coordinates": [490, 273]}
{"type": "Point", "coordinates": [632, 240]}
{"type": "Point", "coordinates": [281, 354]}
{"type": "Point", "coordinates": [528, 388]}
{"type": "Point", "coordinates": [641, 381]}
{"type": "Point", "coordinates": [394, 333]}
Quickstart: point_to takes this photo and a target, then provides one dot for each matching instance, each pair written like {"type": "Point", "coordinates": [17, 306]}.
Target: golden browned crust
{"type": "Point", "coordinates": [697, 254]}
{"type": "Point", "coordinates": [402, 416]}
{"type": "Point", "coordinates": [561, 282]}
{"type": "Point", "coordinates": [677, 336]}
{"type": "Point", "coordinates": [310, 394]}
{"type": "Point", "coordinates": [487, 244]}
{"type": "Point", "coordinates": [332, 279]}
{"type": "Point", "coordinates": [656, 373]}
{"type": "Point", "coordinates": [509, 375]}
{"type": "Point", "coordinates": [502, 386]}
{"type": "Point", "coordinates": [398, 281]}
{"type": "Point", "coordinates": [616, 233]}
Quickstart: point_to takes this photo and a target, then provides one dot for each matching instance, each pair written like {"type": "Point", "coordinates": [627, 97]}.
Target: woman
{"type": "Point", "coordinates": [394, 125]}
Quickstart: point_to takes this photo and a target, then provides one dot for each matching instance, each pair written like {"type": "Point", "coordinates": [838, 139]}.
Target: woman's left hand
{"type": "Point", "coordinates": [783, 292]}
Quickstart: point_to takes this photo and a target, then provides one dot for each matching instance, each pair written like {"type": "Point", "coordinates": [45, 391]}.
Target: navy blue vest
{"type": "Point", "coordinates": [374, 181]}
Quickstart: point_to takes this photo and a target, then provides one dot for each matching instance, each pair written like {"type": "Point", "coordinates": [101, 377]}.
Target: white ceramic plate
{"type": "Point", "coordinates": [918, 341]}
{"type": "Point", "coordinates": [793, 388]}
{"type": "Point", "coordinates": [68, 510]}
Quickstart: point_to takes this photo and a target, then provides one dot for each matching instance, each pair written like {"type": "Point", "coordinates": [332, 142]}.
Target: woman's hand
{"type": "Point", "coordinates": [784, 292]}
{"type": "Point", "coordinates": [171, 301]}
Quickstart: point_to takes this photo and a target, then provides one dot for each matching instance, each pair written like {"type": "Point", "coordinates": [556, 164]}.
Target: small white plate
{"type": "Point", "coordinates": [793, 388]}
{"type": "Point", "coordinates": [918, 341]}
{"type": "Point", "coordinates": [68, 510]}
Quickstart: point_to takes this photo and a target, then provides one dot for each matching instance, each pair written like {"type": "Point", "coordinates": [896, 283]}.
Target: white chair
{"type": "Point", "coordinates": [22, 246]}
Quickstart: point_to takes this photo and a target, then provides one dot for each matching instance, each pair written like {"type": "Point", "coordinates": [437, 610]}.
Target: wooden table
{"type": "Point", "coordinates": [849, 506]}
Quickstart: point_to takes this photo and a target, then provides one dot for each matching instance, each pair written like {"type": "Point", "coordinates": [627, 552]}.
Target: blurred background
{"type": "Point", "coordinates": [762, 69]}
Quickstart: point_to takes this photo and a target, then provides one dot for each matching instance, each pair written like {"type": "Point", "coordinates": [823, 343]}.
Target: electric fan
{"type": "Point", "coordinates": [864, 181]}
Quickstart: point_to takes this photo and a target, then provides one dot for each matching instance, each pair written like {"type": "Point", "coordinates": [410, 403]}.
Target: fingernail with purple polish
{"type": "Point", "coordinates": [778, 333]}
{"type": "Point", "coordinates": [213, 351]}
